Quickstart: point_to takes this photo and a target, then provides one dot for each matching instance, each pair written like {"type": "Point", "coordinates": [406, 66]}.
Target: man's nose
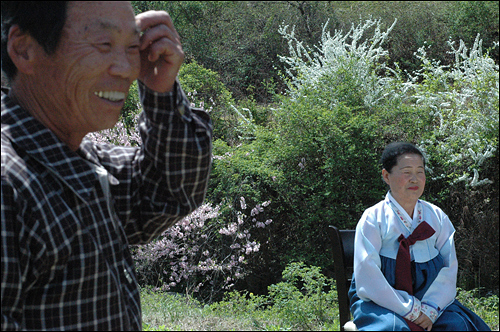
{"type": "Point", "coordinates": [124, 64]}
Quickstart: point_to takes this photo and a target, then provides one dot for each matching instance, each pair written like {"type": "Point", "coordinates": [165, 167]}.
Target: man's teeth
{"type": "Point", "coordinates": [111, 95]}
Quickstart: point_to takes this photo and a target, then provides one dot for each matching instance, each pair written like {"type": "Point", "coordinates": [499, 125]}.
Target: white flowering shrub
{"type": "Point", "coordinates": [343, 67]}
{"type": "Point", "coordinates": [245, 130]}
{"type": "Point", "coordinates": [463, 98]}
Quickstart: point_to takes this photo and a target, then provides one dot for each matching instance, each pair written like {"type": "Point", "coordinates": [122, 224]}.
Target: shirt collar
{"type": "Point", "coordinates": [409, 223]}
{"type": "Point", "coordinates": [28, 134]}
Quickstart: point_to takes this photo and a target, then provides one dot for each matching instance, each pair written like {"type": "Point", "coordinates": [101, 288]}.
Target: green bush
{"type": "Point", "coordinates": [323, 154]}
{"type": "Point", "coordinates": [467, 19]}
{"type": "Point", "coordinates": [204, 89]}
{"type": "Point", "coordinates": [295, 307]}
{"type": "Point", "coordinates": [462, 150]}
{"type": "Point", "coordinates": [306, 298]}
{"type": "Point", "coordinates": [328, 139]}
{"type": "Point", "coordinates": [131, 108]}
{"type": "Point", "coordinates": [317, 159]}
{"type": "Point", "coordinates": [463, 99]}
{"type": "Point", "coordinates": [247, 170]}
{"type": "Point", "coordinates": [314, 153]}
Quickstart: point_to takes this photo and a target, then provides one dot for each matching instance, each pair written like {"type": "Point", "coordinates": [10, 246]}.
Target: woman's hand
{"type": "Point", "coordinates": [424, 322]}
{"type": "Point", "coordinates": [161, 50]}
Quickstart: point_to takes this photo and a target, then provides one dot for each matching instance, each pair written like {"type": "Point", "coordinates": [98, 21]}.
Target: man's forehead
{"type": "Point", "coordinates": [95, 16]}
{"type": "Point", "coordinates": [106, 24]}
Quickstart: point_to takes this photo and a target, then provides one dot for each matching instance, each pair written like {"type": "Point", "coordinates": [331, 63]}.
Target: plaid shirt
{"type": "Point", "coordinates": [68, 217]}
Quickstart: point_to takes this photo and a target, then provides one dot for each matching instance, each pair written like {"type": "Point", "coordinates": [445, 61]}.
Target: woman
{"type": "Point", "coordinates": [405, 266]}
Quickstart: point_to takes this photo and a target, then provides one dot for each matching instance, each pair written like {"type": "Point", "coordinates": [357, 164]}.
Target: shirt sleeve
{"type": "Point", "coordinates": [12, 280]}
{"type": "Point", "coordinates": [443, 289]}
{"type": "Point", "coordinates": [166, 178]}
{"type": "Point", "coordinates": [371, 284]}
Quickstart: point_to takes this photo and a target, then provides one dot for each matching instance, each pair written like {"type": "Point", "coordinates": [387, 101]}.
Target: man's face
{"type": "Point", "coordinates": [88, 77]}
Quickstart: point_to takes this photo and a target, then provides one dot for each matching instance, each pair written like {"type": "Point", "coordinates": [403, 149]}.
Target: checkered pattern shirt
{"type": "Point", "coordinates": [69, 217]}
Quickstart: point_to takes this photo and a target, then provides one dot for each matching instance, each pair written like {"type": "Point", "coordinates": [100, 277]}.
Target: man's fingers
{"type": "Point", "coordinates": [155, 33]}
{"type": "Point", "coordinates": [161, 50]}
{"type": "Point", "coordinates": [164, 46]}
{"type": "Point", "coordinates": [150, 19]}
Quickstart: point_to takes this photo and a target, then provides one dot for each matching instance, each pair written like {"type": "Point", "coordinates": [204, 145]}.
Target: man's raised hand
{"type": "Point", "coordinates": [161, 50]}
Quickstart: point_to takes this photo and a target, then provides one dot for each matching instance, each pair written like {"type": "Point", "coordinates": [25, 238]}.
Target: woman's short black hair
{"type": "Point", "coordinates": [394, 150]}
{"type": "Point", "coordinates": [43, 20]}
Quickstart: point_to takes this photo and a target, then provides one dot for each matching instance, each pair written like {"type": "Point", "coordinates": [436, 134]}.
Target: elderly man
{"type": "Point", "coordinates": [71, 208]}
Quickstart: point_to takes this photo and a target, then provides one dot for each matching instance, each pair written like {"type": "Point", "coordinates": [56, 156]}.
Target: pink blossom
{"type": "Point", "coordinates": [191, 249]}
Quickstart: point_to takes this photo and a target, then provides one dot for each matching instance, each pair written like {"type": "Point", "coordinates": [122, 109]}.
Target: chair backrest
{"type": "Point", "coordinates": [343, 261]}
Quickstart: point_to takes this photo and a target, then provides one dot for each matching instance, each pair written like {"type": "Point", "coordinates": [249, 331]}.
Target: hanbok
{"type": "Point", "coordinates": [375, 304]}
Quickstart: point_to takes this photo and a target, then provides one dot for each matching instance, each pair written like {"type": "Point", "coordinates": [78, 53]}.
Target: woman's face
{"type": "Point", "coordinates": [406, 179]}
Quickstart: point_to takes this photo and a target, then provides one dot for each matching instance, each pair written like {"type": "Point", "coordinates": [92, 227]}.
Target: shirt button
{"type": "Point", "coordinates": [127, 275]}
{"type": "Point", "coordinates": [180, 109]}
{"type": "Point", "coordinates": [112, 180]}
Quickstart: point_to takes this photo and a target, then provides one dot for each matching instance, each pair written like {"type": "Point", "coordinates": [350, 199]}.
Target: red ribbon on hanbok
{"type": "Point", "coordinates": [403, 262]}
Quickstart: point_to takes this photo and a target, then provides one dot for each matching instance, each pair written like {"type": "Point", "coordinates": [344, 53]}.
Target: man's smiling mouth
{"type": "Point", "coordinates": [111, 95]}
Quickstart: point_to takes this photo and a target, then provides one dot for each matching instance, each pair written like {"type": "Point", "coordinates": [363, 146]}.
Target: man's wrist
{"type": "Point", "coordinates": [175, 100]}
{"type": "Point", "coordinates": [144, 88]}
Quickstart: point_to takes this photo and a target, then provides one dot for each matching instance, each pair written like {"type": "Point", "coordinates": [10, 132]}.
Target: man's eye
{"type": "Point", "coordinates": [104, 47]}
{"type": "Point", "coordinates": [133, 48]}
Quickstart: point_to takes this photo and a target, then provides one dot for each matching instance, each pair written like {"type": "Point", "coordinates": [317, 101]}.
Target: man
{"type": "Point", "coordinates": [71, 208]}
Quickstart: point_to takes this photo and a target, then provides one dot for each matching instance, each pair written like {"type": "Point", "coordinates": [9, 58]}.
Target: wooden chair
{"type": "Point", "coordinates": [343, 261]}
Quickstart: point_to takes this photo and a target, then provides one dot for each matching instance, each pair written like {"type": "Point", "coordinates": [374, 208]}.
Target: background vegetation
{"type": "Point", "coordinates": [304, 300]}
{"type": "Point", "coordinates": [304, 96]}
{"type": "Point", "coordinates": [240, 39]}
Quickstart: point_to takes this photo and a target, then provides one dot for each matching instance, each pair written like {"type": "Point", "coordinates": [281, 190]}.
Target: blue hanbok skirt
{"type": "Point", "coordinates": [369, 316]}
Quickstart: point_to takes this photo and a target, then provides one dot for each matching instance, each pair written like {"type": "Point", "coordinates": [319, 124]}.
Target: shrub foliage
{"type": "Point", "coordinates": [318, 157]}
{"type": "Point", "coordinates": [312, 154]}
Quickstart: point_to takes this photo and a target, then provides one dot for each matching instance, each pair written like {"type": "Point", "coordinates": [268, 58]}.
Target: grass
{"type": "Point", "coordinates": [169, 312]}
{"type": "Point", "coordinates": [246, 312]}
{"type": "Point", "coordinates": [304, 300]}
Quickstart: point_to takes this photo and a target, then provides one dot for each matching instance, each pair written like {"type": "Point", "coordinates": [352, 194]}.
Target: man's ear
{"type": "Point", "coordinates": [385, 176]}
{"type": "Point", "coordinates": [22, 49]}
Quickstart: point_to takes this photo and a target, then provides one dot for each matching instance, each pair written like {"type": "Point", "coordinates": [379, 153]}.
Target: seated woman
{"type": "Point", "coordinates": [405, 266]}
